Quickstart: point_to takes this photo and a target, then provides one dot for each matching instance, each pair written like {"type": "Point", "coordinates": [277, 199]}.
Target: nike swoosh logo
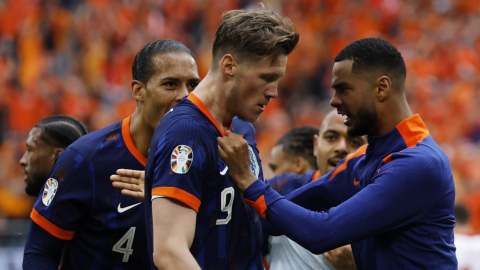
{"type": "Point", "coordinates": [355, 182]}
{"type": "Point", "coordinates": [224, 171]}
{"type": "Point", "coordinates": [121, 210]}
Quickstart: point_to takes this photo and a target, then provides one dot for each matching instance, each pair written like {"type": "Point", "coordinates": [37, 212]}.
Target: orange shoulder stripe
{"type": "Point", "coordinates": [127, 138]}
{"type": "Point", "coordinates": [413, 130]}
{"type": "Point", "coordinates": [359, 152]}
{"type": "Point", "coordinates": [178, 194]}
{"type": "Point", "coordinates": [259, 205]}
{"type": "Point", "coordinates": [50, 227]}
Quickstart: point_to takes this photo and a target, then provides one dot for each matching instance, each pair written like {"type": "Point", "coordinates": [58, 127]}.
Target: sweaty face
{"type": "Point", "coordinates": [280, 162]}
{"type": "Point", "coordinates": [176, 76]}
{"type": "Point", "coordinates": [333, 142]}
{"type": "Point", "coordinates": [354, 98]}
{"type": "Point", "coordinates": [255, 84]}
{"type": "Point", "coordinates": [37, 162]}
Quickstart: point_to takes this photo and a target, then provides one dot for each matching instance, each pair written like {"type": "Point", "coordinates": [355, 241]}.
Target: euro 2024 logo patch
{"type": "Point", "coordinates": [49, 191]}
{"type": "Point", "coordinates": [182, 158]}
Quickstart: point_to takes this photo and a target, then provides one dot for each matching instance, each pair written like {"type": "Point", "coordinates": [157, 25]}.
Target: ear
{"type": "Point", "coordinates": [57, 152]}
{"type": "Point", "coordinates": [300, 165]}
{"type": "Point", "coordinates": [315, 141]}
{"type": "Point", "coordinates": [138, 90]}
{"type": "Point", "coordinates": [228, 65]}
{"type": "Point", "coordinates": [384, 88]}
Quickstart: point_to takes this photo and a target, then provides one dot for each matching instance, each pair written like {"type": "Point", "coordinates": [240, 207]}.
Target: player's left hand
{"type": "Point", "coordinates": [131, 182]}
{"type": "Point", "coordinates": [233, 150]}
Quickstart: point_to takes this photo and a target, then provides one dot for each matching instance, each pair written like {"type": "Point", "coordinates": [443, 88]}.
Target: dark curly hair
{"type": "Point", "coordinates": [374, 54]}
{"type": "Point", "coordinates": [299, 142]}
{"type": "Point", "coordinates": [61, 130]}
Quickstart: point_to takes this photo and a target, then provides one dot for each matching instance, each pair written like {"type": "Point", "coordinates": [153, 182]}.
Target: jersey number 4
{"type": "Point", "coordinates": [127, 250]}
{"type": "Point", "coordinates": [226, 207]}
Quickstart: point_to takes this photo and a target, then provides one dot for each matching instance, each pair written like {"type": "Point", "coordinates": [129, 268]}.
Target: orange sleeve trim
{"type": "Point", "coordinates": [260, 206]}
{"type": "Point", "coordinates": [315, 176]}
{"type": "Point", "coordinates": [50, 227]}
{"type": "Point", "coordinates": [195, 100]}
{"type": "Point", "coordinates": [127, 138]}
{"type": "Point", "coordinates": [178, 194]}
{"type": "Point", "coordinates": [359, 152]}
{"type": "Point", "coordinates": [387, 159]}
{"type": "Point", "coordinates": [413, 130]}
{"type": "Point", "coordinates": [265, 263]}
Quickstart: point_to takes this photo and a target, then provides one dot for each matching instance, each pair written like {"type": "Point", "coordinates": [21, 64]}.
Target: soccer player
{"type": "Point", "coordinates": [325, 148]}
{"type": "Point", "coordinates": [391, 199]}
{"type": "Point", "coordinates": [47, 139]}
{"type": "Point", "coordinates": [293, 153]}
{"type": "Point", "coordinates": [196, 217]}
{"type": "Point", "coordinates": [81, 221]}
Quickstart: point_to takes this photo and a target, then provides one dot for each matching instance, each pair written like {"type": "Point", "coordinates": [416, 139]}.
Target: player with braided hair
{"type": "Point", "coordinates": [45, 142]}
{"type": "Point", "coordinates": [103, 228]}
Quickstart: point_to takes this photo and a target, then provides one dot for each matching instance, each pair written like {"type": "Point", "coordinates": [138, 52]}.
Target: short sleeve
{"type": "Point", "coordinates": [66, 196]}
{"type": "Point", "coordinates": [184, 156]}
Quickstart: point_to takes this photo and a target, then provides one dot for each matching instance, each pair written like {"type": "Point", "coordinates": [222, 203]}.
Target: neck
{"type": "Point", "coordinates": [391, 114]}
{"type": "Point", "coordinates": [214, 96]}
{"type": "Point", "coordinates": [141, 132]}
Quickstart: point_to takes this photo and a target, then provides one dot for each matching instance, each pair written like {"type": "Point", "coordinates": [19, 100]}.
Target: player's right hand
{"type": "Point", "coordinates": [131, 182]}
{"type": "Point", "coordinates": [233, 150]}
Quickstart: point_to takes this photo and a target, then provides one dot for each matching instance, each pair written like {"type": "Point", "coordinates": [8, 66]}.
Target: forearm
{"type": "Point", "coordinates": [42, 250]}
{"type": "Point", "coordinates": [348, 222]}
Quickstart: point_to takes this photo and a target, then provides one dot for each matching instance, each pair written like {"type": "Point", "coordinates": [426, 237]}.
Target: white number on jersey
{"type": "Point", "coordinates": [127, 250]}
{"type": "Point", "coordinates": [225, 207]}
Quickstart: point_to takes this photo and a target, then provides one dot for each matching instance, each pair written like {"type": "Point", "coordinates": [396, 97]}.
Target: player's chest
{"type": "Point", "coordinates": [360, 175]}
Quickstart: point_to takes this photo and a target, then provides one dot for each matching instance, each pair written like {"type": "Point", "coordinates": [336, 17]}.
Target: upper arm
{"type": "Point", "coordinates": [173, 225]}
{"type": "Point", "coordinates": [42, 250]}
{"type": "Point", "coordinates": [183, 159]}
{"type": "Point", "coordinates": [66, 196]}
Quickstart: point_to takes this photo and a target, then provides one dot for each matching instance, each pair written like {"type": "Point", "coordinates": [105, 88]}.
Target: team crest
{"type": "Point", "coordinates": [254, 167]}
{"type": "Point", "coordinates": [49, 191]}
{"type": "Point", "coordinates": [182, 158]}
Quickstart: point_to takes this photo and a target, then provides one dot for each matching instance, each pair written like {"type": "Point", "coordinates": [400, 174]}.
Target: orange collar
{"type": "Point", "coordinates": [413, 130]}
{"type": "Point", "coordinates": [195, 100]}
{"type": "Point", "coordinates": [127, 138]}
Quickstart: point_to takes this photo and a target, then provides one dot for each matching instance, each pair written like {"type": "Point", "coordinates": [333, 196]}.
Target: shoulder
{"type": "Point", "coordinates": [89, 143]}
{"type": "Point", "coordinates": [423, 155]}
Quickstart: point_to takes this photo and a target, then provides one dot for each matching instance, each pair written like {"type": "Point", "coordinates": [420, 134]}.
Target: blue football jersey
{"type": "Point", "coordinates": [183, 164]}
{"type": "Point", "coordinates": [392, 199]}
{"type": "Point", "coordinates": [104, 228]}
{"type": "Point", "coordinates": [288, 182]}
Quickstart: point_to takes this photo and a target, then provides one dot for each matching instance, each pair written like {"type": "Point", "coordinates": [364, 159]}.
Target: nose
{"type": "Point", "coordinates": [335, 101]}
{"type": "Point", "coordinates": [183, 91]}
{"type": "Point", "coordinates": [272, 91]}
{"type": "Point", "coordinates": [23, 160]}
{"type": "Point", "coordinates": [341, 146]}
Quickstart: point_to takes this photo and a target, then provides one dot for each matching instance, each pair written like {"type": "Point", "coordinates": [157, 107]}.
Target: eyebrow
{"type": "Point", "coordinates": [177, 79]}
{"type": "Point", "coordinates": [273, 76]}
{"type": "Point", "coordinates": [340, 84]}
{"type": "Point", "coordinates": [331, 131]}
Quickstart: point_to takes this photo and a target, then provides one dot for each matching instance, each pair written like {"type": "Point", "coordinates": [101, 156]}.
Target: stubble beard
{"type": "Point", "coordinates": [35, 184]}
{"type": "Point", "coordinates": [365, 119]}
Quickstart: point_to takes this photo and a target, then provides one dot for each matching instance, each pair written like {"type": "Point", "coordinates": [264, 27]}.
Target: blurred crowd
{"type": "Point", "coordinates": [74, 57]}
